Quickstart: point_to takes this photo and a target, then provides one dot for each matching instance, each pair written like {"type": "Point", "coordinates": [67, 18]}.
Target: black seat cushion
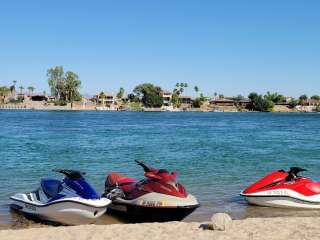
{"type": "Point", "coordinates": [51, 187]}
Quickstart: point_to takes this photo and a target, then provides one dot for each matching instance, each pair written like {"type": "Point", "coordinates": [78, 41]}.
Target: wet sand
{"type": "Point", "coordinates": [13, 220]}
{"type": "Point", "coordinates": [292, 228]}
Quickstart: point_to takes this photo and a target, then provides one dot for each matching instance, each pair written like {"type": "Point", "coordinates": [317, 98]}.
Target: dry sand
{"type": "Point", "coordinates": [252, 228]}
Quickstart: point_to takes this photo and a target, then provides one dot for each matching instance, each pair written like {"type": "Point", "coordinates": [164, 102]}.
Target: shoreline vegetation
{"type": "Point", "coordinates": [65, 95]}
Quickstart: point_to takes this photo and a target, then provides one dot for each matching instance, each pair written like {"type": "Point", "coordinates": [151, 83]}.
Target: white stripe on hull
{"type": "Point", "coordinates": [70, 213]}
{"type": "Point", "coordinates": [282, 202]}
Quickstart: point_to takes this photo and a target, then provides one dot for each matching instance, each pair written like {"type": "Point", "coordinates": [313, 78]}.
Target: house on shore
{"type": "Point", "coordinates": [167, 96]}
{"type": "Point", "coordinates": [230, 102]}
{"type": "Point", "coordinates": [105, 99]}
{"type": "Point", "coordinates": [186, 101]}
{"type": "Point", "coordinates": [38, 98]}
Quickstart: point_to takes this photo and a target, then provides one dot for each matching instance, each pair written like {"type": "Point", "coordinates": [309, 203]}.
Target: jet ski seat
{"type": "Point", "coordinates": [51, 187]}
{"type": "Point", "coordinates": [115, 178]}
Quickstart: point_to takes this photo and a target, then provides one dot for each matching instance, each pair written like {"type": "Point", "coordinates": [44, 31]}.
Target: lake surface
{"type": "Point", "coordinates": [215, 154]}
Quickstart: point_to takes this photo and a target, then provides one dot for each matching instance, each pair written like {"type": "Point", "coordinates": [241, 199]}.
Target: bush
{"type": "Point", "coordinates": [260, 103]}
{"type": "Point", "coordinates": [197, 103]}
{"type": "Point", "coordinates": [134, 106]}
{"type": "Point", "coordinates": [151, 95]}
{"type": "Point", "coordinates": [293, 103]}
{"type": "Point", "coordinates": [60, 102]}
{"type": "Point", "coordinates": [15, 101]}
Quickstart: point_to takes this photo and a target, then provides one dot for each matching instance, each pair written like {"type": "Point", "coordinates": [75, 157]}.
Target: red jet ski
{"type": "Point", "coordinates": [158, 197]}
{"type": "Point", "coordinates": [284, 189]}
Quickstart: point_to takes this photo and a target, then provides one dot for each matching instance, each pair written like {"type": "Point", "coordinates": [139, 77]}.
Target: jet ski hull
{"type": "Point", "coordinates": [284, 190]}
{"type": "Point", "coordinates": [66, 211]}
{"type": "Point", "coordinates": [281, 202]}
{"type": "Point", "coordinates": [157, 198]}
{"type": "Point", "coordinates": [134, 213]}
{"type": "Point", "coordinates": [289, 199]}
{"type": "Point", "coordinates": [154, 207]}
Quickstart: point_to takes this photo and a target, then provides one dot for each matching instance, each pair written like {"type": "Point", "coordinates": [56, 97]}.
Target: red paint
{"type": "Point", "coordinates": [276, 180]}
{"type": "Point", "coordinates": [160, 181]}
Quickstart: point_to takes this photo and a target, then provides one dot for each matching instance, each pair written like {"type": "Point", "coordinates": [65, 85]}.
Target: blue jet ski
{"type": "Point", "coordinates": [71, 201]}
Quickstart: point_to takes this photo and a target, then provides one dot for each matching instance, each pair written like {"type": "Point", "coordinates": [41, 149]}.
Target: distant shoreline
{"type": "Point", "coordinates": [148, 111]}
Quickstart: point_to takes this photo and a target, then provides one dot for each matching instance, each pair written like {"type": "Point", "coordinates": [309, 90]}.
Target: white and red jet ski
{"type": "Point", "coordinates": [284, 189]}
{"type": "Point", "coordinates": [158, 197]}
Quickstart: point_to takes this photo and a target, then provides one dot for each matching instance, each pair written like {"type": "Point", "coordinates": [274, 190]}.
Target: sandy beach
{"type": "Point", "coordinates": [251, 228]}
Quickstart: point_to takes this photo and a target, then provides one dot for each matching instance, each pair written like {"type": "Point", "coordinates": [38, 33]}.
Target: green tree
{"type": "Point", "coordinates": [293, 103]}
{"type": "Point", "coordinates": [318, 108]}
{"type": "Point", "coordinates": [30, 89]}
{"type": "Point", "coordinates": [71, 87]}
{"type": "Point", "coordinates": [260, 103]}
{"type": "Point", "coordinates": [151, 95]}
{"type": "Point", "coordinates": [302, 99]}
{"type": "Point", "coordinates": [4, 91]}
{"type": "Point", "coordinates": [275, 97]}
{"type": "Point", "coordinates": [315, 97]}
{"type": "Point", "coordinates": [120, 94]}
{"type": "Point", "coordinates": [133, 98]}
{"type": "Point", "coordinates": [197, 103]}
{"type": "Point", "coordinates": [202, 97]}
{"type": "Point", "coordinates": [175, 98]}
{"type": "Point", "coordinates": [196, 89]}
{"type": "Point", "coordinates": [56, 80]}
{"type": "Point", "coordinates": [13, 88]}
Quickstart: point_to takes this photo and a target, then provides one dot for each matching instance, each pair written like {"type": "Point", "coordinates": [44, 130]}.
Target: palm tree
{"type": "Point", "coordinates": [303, 99]}
{"type": "Point", "coordinates": [30, 89]}
{"type": "Point", "coordinates": [21, 89]}
{"type": "Point", "coordinates": [71, 86]}
{"type": "Point", "coordinates": [13, 88]}
{"type": "Point", "coordinates": [177, 85]}
{"type": "Point", "coordinates": [196, 89]}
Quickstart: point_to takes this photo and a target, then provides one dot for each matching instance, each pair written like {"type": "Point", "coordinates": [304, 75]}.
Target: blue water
{"type": "Point", "coordinates": [215, 154]}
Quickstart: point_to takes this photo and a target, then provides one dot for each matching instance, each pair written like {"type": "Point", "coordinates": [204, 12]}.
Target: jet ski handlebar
{"type": "Point", "coordinates": [144, 166]}
{"type": "Point", "coordinates": [157, 174]}
{"type": "Point", "coordinates": [293, 173]}
{"type": "Point", "coordinates": [296, 170]}
{"type": "Point", "coordinates": [72, 174]}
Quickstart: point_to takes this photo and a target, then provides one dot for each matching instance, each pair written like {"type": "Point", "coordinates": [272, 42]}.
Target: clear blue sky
{"type": "Point", "coordinates": [228, 46]}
